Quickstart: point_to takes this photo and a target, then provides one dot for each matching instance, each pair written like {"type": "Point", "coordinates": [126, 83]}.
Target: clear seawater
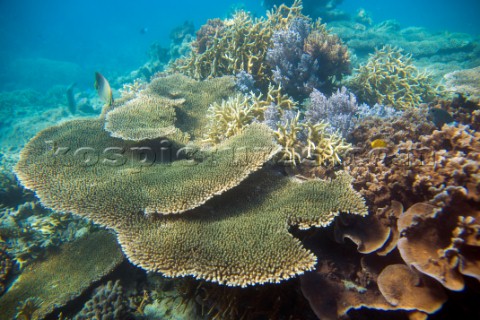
{"type": "Point", "coordinates": [106, 34]}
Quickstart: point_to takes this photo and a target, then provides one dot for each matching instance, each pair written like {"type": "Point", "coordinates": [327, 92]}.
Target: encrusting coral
{"type": "Point", "coordinates": [390, 78]}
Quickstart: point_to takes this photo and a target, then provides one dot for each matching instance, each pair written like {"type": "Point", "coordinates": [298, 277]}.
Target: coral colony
{"type": "Point", "coordinates": [258, 166]}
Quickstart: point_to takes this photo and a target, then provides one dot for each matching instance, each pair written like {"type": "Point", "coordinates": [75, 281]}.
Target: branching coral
{"type": "Point", "coordinates": [390, 78]}
{"type": "Point", "coordinates": [107, 302]}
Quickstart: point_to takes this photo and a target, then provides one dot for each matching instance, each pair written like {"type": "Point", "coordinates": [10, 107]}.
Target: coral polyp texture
{"type": "Point", "coordinates": [143, 177]}
{"type": "Point", "coordinates": [236, 242]}
{"type": "Point", "coordinates": [241, 238]}
{"type": "Point", "coordinates": [390, 78]}
{"type": "Point", "coordinates": [64, 275]}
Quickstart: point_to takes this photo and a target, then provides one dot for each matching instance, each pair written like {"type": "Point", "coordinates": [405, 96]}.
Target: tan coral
{"type": "Point", "coordinates": [439, 241]}
{"type": "Point", "coordinates": [142, 177]}
{"type": "Point", "coordinates": [144, 117]}
{"type": "Point", "coordinates": [409, 290]}
{"type": "Point", "coordinates": [374, 233]}
{"type": "Point", "coordinates": [241, 238]}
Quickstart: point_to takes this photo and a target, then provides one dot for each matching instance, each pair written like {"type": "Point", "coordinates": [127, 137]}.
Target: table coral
{"type": "Point", "coordinates": [390, 78]}
{"type": "Point", "coordinates": [71, 277]}
{"type": "Point", "coordinates": [226, 225]}
{"type": "Point", "coordinates": [147, 173]}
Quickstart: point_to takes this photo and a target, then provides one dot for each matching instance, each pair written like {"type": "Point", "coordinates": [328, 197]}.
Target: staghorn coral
{"type": "Point", "coordinates": [229, 117]}
{"type": "Point", "coordinates": [442, 242]}
{"type": "Point", "coordinates": [390, 78]}
{"type": "Point", "coordinates": [238, 44]}
{"type": "Point", "coordinates": [106, 303]}
{"type": "Point", "coordinates": [77, 265]}
{"type": "Point", "coordinates": [144, 177]}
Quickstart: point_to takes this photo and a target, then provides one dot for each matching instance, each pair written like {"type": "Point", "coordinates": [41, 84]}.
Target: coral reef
{"type": "Point", "coordinates": [390, 78]}
{"type": "Point", "coordinates": [107, 303]}
{"type": "Point", "coordinates": [442, 242]}
{"type": "Point", "coordinates": [76, 266]}
{"type": "Point", "coordinates": [6, 265]}
{"type": "Point", "coordinates": [339, 111]}
{"type": "Point", "coordinates": [29, 229]}
{"type": "Point", "coordinates": [383, 175]}
{"type": "Point", "coordinates": [306, 56]}
{"type": "Point", "coordinates": [440, 52]}
{"type": "Point", "coordinates": [466, 83]}
{"type": "Point", "coordinates": [143, 172]}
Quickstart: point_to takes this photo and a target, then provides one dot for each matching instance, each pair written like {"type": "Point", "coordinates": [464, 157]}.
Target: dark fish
{"type": "Point", "coordinates": [103, 89]}
{"type": "Point", "coordinates": [144, 30]}
{"type": "Point", "coordinates": [440, 117]}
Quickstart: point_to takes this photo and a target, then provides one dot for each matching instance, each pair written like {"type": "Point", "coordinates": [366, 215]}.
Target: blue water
{"type": "Point", "coordinates": [105, 35]}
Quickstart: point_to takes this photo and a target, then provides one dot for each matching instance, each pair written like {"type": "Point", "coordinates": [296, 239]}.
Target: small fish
{"type": "Point", "coordinates": [440, 117]}
{"type": "Point", "coordinates": [103, 89]}
{"type": "Point", "coordinates": [72, 104]}
{"type": "Point", "coordinates": [144, 30]}
{"type": "Point", "coordinates": [378, 143]}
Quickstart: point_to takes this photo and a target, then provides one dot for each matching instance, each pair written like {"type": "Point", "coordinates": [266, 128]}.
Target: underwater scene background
{"type": "Point", "coordinates": [239, 159]}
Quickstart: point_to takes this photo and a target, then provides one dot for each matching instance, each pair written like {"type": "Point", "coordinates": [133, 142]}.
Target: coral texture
{"type": "Point", "coordinates": [442, 242]}
{"type": "Point", "coordinates": [338, 111]}
{"type": "Point", "coordinates": [107, 303]}
{"type": "Point", "coordinates": [390, 78]}
{"type": "Point", "coordinates": [143, 178]}
{"type": "Point", "coordinates": [237, 242]}
{"type": "Point", "coordinates": [464, 82]}
{"type": "Point", "coordinates": [71, 277]}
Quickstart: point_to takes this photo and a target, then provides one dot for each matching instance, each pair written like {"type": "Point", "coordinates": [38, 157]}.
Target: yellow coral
{"type": "Point", "coordinates": [241, 44]}
{"type": "Point", "coordinates": [390, 78]}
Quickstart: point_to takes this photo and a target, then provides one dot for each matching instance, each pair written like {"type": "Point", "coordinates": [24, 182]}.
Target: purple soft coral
{"type": "Point", "coordinates": [339, 110]}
